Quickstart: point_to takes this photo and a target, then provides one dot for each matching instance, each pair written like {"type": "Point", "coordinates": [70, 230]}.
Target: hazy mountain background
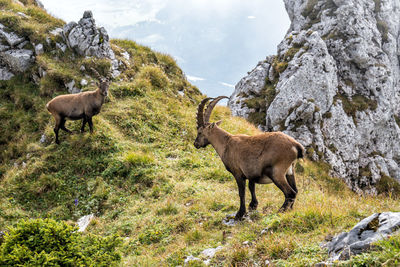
{"type": "Point", "coordinates": [214, 42]}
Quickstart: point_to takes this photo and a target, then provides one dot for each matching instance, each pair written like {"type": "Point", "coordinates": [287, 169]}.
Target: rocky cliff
{"type": "Point", "coordinates": [334, 85]}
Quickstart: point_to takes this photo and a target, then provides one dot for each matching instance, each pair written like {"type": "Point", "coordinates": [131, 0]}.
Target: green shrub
{"type": "Point", "coordinates": [47, 242]}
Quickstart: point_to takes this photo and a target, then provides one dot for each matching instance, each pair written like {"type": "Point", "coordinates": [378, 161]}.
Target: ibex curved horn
{"type": "Point", "coordinates": [96, 74]}
{"type": "Point", "coordinates": [200, 115]}
{"type": "Point", "coordinates": [207, 113]}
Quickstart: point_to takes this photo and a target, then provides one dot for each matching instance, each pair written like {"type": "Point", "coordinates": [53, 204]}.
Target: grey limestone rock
{"type": "Point", "coordinates": [39, 49]}
{"type": "Point", "coordinates": [87, 40]}
{"type": "Point", "coordinates": [5, 74]}
{"type": "Point", "coordinates": [18, 60]}
{"type": "Point", "coordinates": [359, 239]}
{"type": "Point", "coordinates": [11, 38]}
{"type": "Point", "coordinates": [335, 87]}
{"type": "Point", "coordinates": [72, 89]}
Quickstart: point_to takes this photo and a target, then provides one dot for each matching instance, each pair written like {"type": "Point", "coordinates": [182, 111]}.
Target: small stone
{"type": "Point", "coordinates": [126, 55]}
{"type": "Point", "coordinates": [246, 243]}
{"type": "Point", "coordinates": [191, 258]}
{"type": "Point", "coordinates": [39, 49]}
{"type": "Point", "coordinates": [210, 252]}
{"type": "Point", "coordinates": [62, 47]}
{"type": "Point", "coordinates": [22, 15]}
{"type": "Point", "coordinates": [5, 74]}
{"type": "Point", "coordinates": [84, 82]}
{"type": "Point", "coordinates": [84, 221]}
{"type": "Point", "coordinates": [42, 139]}
{"type": "Point", "coordinates": [56, 31]}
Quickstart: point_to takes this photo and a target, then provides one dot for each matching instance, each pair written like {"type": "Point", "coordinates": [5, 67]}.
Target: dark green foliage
{"type": "Point", "coordinates": [46, 242]}
{"type": "Point", "coordinates": [388, 185]}
{"type": "Point", "coordinates": [260, 102]}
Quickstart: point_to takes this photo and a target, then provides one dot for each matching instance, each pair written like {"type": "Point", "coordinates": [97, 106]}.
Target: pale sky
{"type": "Point", "coordinates": [215, 42]}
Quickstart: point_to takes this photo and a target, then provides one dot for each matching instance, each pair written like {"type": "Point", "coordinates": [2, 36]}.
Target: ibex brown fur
{"type": "Point", "coordinates": [78, 106]}
{"type": "Point", "coordinates": [263, 159]}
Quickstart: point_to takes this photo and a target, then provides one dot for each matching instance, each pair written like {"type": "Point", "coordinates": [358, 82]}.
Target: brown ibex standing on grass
{"type": "Point", "coordinates": [78, 106]}
{"type": "Point", "coordinates": [262, 159]}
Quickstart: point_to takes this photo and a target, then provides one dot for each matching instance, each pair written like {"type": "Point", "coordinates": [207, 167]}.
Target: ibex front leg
{"type": "Point", "coordinates": [254, 203]}
{"type": "Point", "coordinates": [242, 191]}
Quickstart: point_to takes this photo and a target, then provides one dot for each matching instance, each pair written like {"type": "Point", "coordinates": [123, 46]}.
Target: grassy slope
{"type": "Point", "coordinates": [141, 176]}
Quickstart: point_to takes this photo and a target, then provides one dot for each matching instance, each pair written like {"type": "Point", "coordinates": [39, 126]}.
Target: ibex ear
{"type": "Point", "coordinates": [215, 123]}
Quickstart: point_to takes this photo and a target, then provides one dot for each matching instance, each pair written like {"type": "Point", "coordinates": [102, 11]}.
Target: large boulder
{"type": "Point", "coordinates": [361, 238]}
{"type": "Point", "coordinates": [334, 86]}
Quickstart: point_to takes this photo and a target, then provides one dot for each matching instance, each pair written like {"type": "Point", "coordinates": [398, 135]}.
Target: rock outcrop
{"type": "Point", "coordinates": [359, 239]}
{"type": "Point", "coordinates": [87, 40]}
{"type": "Point", "coordinates": [335, 86]}
{"type": "Point", "coordinates": [14, 58]}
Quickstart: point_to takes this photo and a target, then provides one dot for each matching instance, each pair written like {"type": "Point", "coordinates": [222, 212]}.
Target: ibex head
{"type": "Point", "coordinates": [104, 82]}
{"type": "Point", "coordinates": [203, 125]}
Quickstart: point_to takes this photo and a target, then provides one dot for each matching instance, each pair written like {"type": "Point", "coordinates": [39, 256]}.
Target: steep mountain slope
{"type": "Point", "coordinates": [334, 85]}
{"type": "Point", "coordinates": [139, 173]}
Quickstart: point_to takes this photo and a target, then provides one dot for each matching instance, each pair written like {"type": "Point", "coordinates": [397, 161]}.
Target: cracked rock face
{"type": "Point", "coordinates": [335, 86]}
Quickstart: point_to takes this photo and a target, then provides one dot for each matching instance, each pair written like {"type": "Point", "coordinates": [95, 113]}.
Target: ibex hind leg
{"type": "Point", "coordinates": [89, 119]}
{"type": "Point", "coordinates": [62, 126]}
{"type": "Point", "coordinates": [279, 179]}
{"type": "Point", "coordinates": [57, 127]}
{"type": "Point", "coordinates": [290, 177]}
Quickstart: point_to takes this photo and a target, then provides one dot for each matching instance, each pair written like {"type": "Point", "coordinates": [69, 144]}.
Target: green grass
{"type": "Point", "coordinates": [141, 176]}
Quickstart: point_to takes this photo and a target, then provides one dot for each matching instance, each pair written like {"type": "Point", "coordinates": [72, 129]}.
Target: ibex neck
{"type": "Point", "coordinates": [218, 139]}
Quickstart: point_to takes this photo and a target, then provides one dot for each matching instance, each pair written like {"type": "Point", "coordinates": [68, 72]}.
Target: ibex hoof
{"type": "Point", "coordinates": [239, 216]}
{"type": "Point", "coordinates": [253, 206]}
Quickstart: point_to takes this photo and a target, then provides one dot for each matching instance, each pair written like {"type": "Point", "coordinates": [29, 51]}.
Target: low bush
{"type": "Point", "coordinates": [46, 242]}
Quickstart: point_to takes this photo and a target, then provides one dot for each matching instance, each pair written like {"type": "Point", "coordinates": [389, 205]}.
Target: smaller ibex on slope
{"type": "Point", "coordinates": [263, 159]}
{"type": "Point", "coordinates": [78, 106]}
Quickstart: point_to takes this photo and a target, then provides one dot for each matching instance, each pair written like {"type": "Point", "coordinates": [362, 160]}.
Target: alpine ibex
{"type": "Point", "coordinates": [264, 158]}
{"type": "Point", "coordinates": [78, 106]}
